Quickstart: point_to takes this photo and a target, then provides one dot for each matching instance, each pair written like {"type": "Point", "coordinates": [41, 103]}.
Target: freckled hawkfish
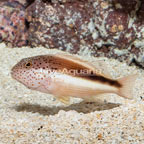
{"type": "Point", "coordinates": [65, 76]}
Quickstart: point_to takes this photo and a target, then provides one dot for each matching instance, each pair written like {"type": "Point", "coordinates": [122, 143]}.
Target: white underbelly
{"type": "Point", "coordinates": [75, 82]}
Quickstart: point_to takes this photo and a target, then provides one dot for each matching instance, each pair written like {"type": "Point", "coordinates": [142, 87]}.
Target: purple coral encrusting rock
{"type": "Point", "coordinates": [117, 25]}
{"type": "Point", "coordinates": [113, 21]}
{"type": "Point", "coordinates": [63, 26]}
{"type": "Point", "coordinates": [111, 28]}
{"type": "Point", "coordinates": [23, 2]}
{"type": "Point", "coordinates": [13, 29]}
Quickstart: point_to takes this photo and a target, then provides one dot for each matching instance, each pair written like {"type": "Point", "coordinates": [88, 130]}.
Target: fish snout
{"type": "Point", "coordinates": [13, 72]}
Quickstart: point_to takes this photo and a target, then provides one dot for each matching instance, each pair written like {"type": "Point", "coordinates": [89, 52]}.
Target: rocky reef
{"type": "Point", "coordinates": [13, 28]}
{"type": "Point", "coordinates": [113, 28]}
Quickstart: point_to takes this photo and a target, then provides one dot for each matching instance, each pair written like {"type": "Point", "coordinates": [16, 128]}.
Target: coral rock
{"type": "Point", "coordinates": [12, 23]}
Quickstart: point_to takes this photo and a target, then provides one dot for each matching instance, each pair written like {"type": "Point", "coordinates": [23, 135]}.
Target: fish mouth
{"type": "Point", "coordinates": [13, 70]}
{"type": "Point", "coordinates": [12, 73]}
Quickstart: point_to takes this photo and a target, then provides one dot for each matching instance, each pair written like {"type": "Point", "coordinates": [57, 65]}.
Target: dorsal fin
{"type": "Point", "coordinates": [98, 66]}
{"type": "Point", "coordinates": [76, 60]}
{"type": "Point", "coordinates": [103, 68]}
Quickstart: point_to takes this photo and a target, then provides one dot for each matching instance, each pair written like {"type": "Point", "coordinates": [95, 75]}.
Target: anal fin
{"type": "Point", "coordinates": [63, 99]}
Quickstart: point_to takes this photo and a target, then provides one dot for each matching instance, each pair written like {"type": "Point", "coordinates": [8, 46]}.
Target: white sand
{"type": "Point", "coordinates": [31, 117]}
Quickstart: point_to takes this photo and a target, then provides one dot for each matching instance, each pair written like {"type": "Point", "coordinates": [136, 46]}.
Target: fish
{"type": "Point", "coordinates": [65, 76]}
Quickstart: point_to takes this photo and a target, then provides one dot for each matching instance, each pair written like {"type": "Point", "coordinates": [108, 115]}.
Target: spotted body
{"type": "Point", "coordinates": [67, 76]}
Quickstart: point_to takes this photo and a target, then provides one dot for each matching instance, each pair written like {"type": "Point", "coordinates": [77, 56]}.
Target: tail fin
{"type": "Point", "coordinates": [127, 86]}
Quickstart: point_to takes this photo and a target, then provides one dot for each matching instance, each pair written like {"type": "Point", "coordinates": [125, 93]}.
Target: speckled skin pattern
{"type": "Point", "coordinates": [54, 74]}
{"type": "Point", "coordinates": [12, 23]}
{"type": "Point", "coordinates": [32, 71]}
{"type": "Point", "coordinates": [112, 28]}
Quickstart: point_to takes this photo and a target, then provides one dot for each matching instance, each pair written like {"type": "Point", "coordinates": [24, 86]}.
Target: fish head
{"type": "Point", "coordinates": [29, 72]}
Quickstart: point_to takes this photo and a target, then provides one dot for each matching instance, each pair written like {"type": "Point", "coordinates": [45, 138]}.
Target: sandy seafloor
{"type": "Point", "coordinates": [31, 117]}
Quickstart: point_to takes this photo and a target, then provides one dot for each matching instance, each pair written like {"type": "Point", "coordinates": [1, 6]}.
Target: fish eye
{"type": "Point", "coordinates": [28, 64]}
